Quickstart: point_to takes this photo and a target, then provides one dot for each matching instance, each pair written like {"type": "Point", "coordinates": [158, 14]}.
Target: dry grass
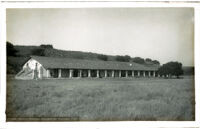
{"type": "Point", "coordinates": [102, 99]}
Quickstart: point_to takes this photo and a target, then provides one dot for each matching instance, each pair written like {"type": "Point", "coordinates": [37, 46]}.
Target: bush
{"type": "Point", "coordinates": [48, 46]}
{"type": "Point", "coordinates": [11, 51]}
{"type": "Point", "coordinates": [156, 62]}
{"type": "Point", "coordinates": [102, 57]}
{"type": "Point", "coordinates": [148, 60]}
{"type": "Point", "coordinates": [14, 64]}
{"type": "Point", "coordinates": [38, 52]}
{"type": "Point", "coordinates": [125, 58]}
{"type": "Point", "coordinates": [138, 60]}
{"type": "Point", "coordinates": [171, 68]}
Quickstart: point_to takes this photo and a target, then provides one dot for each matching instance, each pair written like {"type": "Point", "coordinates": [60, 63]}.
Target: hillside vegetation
{"type": "Point", "coordinates": [18, 55]}
{"type": "Point", "coordinates": [51, 52]}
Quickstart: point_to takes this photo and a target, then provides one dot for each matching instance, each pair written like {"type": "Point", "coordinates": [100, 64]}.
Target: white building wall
{"type": "Point", "coordinates": [44, 72]}
{"type": "Point", "coordinates": [32, 65]}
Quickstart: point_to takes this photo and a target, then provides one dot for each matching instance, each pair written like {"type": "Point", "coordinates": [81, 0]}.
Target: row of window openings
{"type": "Point", "coordinates": [93, 73]}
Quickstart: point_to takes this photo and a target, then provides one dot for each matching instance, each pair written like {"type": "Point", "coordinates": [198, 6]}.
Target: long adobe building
{"type": "Point", "coordinates": [38, 67]}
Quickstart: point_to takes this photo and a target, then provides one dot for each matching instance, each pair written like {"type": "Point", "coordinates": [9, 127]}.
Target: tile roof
{"type": "Point", "coordinates": [66, 63]}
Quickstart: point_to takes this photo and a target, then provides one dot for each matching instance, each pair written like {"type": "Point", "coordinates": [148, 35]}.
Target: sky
{"type": "Point", "coordinates": [163, 34]}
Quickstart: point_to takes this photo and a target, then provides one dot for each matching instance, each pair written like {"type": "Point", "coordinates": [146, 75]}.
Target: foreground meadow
{"type": "Point", "coordinates": [102, 99]}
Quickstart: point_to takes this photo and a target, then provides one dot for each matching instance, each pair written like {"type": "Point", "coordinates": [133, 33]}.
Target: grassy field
{"type": "Point", "coordinates": [102, 99]}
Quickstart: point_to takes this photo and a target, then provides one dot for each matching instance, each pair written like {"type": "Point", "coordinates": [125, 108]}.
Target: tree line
{"type": "Point", "coordinates": [127, 58]}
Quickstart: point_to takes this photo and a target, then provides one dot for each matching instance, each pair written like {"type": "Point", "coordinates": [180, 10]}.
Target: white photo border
{"type": "Point", "coordinates": [99, 125]}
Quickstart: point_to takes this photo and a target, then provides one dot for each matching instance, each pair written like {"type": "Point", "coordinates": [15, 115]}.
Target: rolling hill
{"type": "Point", "coordinates": [14, 63]}
{"type": "Point", "coordinates": [26, 51]}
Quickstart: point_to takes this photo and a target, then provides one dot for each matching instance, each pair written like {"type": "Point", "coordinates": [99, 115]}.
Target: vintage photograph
{"type": "Point", "coordinates": [100, 64]}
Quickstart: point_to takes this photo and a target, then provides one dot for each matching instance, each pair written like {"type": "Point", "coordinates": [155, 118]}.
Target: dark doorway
{"type": "Point", "coordinates": [65, 73]}
{"type": "Point", "coordinates": [151, 73]}
{"type": "Point", "coordinates": [109, 73]}
{"type": "Point", "coordinates": [147, 73]}
{"type": "Point", "coordinates": [93, 73]}
{"type": "Point", "coordinates": [84, 73]}
{"type": "Point", "coordinates": [75, 73]}
{"type": "Point", "coordinates": [123, 73]}
{"type": "Point", "coordinates": [129, 73]}
{"type": "Point", "coordinates": [135, 73]}
{"type": "Point", "coordinates": [141, 73]}
{"type": "Point", "coordinates": [54, 73]}
{"type": "Point", "coordinates": [116, 73]}
{"type": "Point", "coordinates": [101, 73]}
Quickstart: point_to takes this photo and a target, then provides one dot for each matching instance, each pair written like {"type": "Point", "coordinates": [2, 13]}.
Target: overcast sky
{"type": "Point", "coordinates": [164, 34]}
